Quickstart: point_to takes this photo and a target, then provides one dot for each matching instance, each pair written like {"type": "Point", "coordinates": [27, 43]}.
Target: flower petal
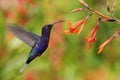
{"type": "Point", "coordinates": [77, 24]}
{"type": "Point", "coordinates": [81, 28]}
{"type": "Point", "coordinates": [67, 32]}
{"type": "Point", "coordinates": [69, 24]}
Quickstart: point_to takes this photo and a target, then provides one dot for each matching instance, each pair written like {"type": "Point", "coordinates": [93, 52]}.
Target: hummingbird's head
{"type": "Point", "coordinates": [47, 28]}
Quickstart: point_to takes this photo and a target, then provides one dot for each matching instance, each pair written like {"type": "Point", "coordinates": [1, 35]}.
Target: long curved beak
{"type": "Point", "coordinates": [57, 22]}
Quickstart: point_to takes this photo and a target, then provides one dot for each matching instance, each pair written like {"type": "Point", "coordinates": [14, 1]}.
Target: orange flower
{"type": "Point", "coordinates": [93, 33]}
{"type": "Point", "coordinates": [104, 44]}
{"type": "Point", "coordinates": [108, 41]}
{"type": "Point", "coordinates": [75, 28]}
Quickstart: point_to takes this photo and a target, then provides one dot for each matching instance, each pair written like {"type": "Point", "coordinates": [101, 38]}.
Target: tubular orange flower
{"type": "Point", "coordinates": [75, 28]}
{"type": "Point", "coordinates": [108, 41]}
{"type": "Point", "coordinates": [93, 33]}
{"type": "Point", "coordinates": [104, 44]}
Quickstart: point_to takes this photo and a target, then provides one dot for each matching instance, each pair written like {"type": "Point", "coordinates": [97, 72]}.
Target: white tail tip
{"type": "Point", "coordinates": [23, 68]}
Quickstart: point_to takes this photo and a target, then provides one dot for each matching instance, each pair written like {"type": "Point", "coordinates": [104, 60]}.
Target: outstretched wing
{"type": "Point", "coordinates": [24, 35]}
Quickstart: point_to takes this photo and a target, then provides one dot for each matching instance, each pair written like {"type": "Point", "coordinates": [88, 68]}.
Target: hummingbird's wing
{"type": "Point", "coordinates": [24, 35]}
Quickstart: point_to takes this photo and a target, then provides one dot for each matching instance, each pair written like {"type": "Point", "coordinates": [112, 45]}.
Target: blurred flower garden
{"type": "Point", "coordinates": [72, 53]}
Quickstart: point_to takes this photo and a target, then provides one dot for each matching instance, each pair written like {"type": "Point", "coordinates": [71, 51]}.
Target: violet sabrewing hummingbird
{"type": "Point", "coordinates": [38, 43]}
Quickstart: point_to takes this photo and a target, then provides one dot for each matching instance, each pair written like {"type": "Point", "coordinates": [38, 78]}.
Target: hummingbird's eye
{"type": "Point", "coordinates": [47, 27]}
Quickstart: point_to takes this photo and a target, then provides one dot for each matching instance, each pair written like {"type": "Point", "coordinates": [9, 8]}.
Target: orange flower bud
{"type": "Point", "coordinates": [114, 5]}
{"type": "Point", "coordinates": [108, 41]}
{"type": "Point", "coordinates": [84, 3]}
{"type": "Point", "coordinates": [108, 6]}
{"type": "Point", "coordinates": [104, 44]}
{"type": "Point", "coordinates": [78, 9]}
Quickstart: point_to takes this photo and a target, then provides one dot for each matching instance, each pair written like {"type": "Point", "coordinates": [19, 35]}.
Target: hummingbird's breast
{"type": "Point", "coordinates": [41, 45]}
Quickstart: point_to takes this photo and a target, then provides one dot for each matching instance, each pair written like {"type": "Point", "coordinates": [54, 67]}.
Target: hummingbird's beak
{"type": "Point", "coordinates": [57, 22]}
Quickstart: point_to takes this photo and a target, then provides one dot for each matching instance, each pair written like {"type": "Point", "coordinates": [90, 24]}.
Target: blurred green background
{"type": "Point", "coordinates": [67, 57]}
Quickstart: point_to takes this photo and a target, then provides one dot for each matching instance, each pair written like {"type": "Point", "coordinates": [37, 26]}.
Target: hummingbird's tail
{"type": "Point", "coordinates": [23, 68]}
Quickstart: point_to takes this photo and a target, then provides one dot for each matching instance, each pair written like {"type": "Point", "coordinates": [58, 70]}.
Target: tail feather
{"type": "Point", "coordinates": [23, 68]}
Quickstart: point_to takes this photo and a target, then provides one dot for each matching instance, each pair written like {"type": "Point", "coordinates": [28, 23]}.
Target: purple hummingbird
{"type": "Point", "coordinates": [38, 43]}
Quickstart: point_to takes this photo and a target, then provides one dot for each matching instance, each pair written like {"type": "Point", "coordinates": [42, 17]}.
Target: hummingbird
{"type": "Point", "coordinates": [38, 43]}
